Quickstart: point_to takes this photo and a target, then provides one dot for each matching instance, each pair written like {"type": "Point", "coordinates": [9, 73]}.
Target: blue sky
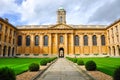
{"type": "Point", "coordinates": [43, 12]}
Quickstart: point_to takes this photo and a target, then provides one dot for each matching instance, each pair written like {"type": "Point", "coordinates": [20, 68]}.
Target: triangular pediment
{"type": "Point", "coordinates": [61, 26]}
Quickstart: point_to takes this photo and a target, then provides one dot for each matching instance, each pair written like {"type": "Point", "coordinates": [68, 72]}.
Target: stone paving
{"type": "Point", "coordinates": [63, 70]}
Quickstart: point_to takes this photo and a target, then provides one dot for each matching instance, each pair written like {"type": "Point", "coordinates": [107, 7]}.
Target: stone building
{"type": "Point", "coordinates": [60, 39]}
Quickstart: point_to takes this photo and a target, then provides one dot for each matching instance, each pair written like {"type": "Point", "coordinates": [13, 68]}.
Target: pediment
{"type": "Point", "coordinates": [61, 26]}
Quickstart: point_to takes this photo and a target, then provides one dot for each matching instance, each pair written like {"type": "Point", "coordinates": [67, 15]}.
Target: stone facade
{"type": "Point", "coordinates": [7, 38]}
{"type": "Point", "coordinates": [60, 39]}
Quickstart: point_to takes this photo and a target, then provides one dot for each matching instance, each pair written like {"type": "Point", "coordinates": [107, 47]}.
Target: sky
{"type": "Point", "coordinates": [44, 12]}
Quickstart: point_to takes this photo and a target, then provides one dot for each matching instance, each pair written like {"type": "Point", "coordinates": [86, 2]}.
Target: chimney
{"type": "Point", "coordinates": [6, 19]}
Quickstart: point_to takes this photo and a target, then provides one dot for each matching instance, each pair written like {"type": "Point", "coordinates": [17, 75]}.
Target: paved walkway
{"type": "Point", "coordinates": [63, 70]}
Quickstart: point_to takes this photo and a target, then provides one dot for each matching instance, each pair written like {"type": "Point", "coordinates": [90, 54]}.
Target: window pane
{"type": "Point", "coordinates": [102, 40]}
{"type": "Point", "coordinates": [61, 39]}
{"type": "Point", "coordinates": [0, 27]}
{"type": "Point", "coordinates": [76, 40]}
{"type": "Point", "coordinates": [94, 40]}
{"type": "Point", "coordinates": [19, 40]}
{"type": "Point", "coordinates": [46, 40]}
{"type": "Point", "coordinates": [36, 40]}
{"type": "Point", "coordinates": [28, 41]}
{"type": "Point", "coordinates": [85, 40]}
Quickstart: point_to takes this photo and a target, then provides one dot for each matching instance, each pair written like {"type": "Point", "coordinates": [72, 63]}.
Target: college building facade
{"type": "Point", "coordinates": [59, 39]}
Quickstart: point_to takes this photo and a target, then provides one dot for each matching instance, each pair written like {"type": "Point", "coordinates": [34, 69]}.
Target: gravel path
{"type": "Point", "coordinates": [29, 75]}
{"type": "Point", "coordinates": [97, 74]}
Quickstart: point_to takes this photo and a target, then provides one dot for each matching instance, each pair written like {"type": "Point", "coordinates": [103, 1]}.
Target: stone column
{"type": "Point", "coordinates": [119, 33]}
{"type": "Point", "coordinates": [112, 53]}
{"type": "Point", "coordinates": [23, 43]}
{"type": "Point", "coordinates": [81, 43]}
{"type": "Point", "coordinates": [50, 44]}
{"type": "Point", "coordinates": [6, 52]}
{"type": "Point", "coordinates": [66, 44]}
{"type": "Point", "coordinates": [1, 51]}
{"type": "Point", "coordinates": [116, 51]}
{"type": "Point", "coordinates": [32, 43]}
{"type": "Point", "coordinates": [41, 43]}
{"type": "Point", "coordinates": [72, 43]}
{"type": "Point", "coordinates": [56, 35]}
{"type": "Point", "coordinates": [99, 43]}
{"type": "Point", "coordinates": [90, 43]}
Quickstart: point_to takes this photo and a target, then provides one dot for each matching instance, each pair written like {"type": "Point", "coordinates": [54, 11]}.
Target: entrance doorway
{"type": "Point", "coordinates": [61, 53]}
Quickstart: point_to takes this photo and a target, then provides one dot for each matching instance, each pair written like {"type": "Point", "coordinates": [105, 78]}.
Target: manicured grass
{"type": "Point", "coordinates": [19, 65]}
{"type": "Point", "coordinates": [106, 65]}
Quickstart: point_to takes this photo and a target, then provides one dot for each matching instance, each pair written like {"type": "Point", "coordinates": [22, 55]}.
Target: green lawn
{"type": "Point", "coordinates": [18, 64]}
{"type": "Point", "coordinates": [106, 65]}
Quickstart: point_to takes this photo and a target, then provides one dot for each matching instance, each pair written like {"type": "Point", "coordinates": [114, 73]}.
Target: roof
{"type": "Point", "coordinates": [62, 26]}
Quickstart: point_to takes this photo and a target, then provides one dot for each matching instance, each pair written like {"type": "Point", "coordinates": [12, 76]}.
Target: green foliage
{"type": "Point", "coordinates": [7, 74]}
{"type": "Point", "coordinates": [90, 66]}
{"type": "Point", "coordinates": [19, 65]}
{"type": "Point", "coordinates": [43, 62]}
{"type": "Point", "coordinates": [103, 64]}
{"type": "Point", "coordinates": [116, 75]}
{"type": "Point", "coordinates": [75, 60]}
{"type": "Point", "coordinates": [80, 62]}
{"type": "Point", "coordinates": [34, 67]}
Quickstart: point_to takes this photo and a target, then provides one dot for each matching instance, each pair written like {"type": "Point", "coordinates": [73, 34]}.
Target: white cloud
{"type": "Point", "coordinates": [8, 6]}
{"type": "Point", "coordinates": [78, 11]}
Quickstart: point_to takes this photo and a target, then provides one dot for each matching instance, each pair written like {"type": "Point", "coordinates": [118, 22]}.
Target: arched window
{"type": "Point", "coordinates": [103, 40]}
{"type": "Point", "coordinates": [60, 19]}
{"type": "Point", "coordinates": [85, 40]}
{"type": "Point", "coordinates": [27, 40]}
{"type": "Point", "coordinates": [94, 40]}
{"type": "Point", "coordinates": [36, 40]}
{"type": "Point", "coordinates": [46, 40]}
{"type": "Point", "coordinates": [61, 39]}
{"type": "Point", "coordinates": [76, 40]}
{"type": "Point", "coordinates": [19, 40]}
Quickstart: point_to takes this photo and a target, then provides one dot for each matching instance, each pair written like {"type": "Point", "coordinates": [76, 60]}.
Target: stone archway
{"type": "Point", "coordinates": [109, 50]}
{"type": "Point", "coordinates": [0, 50]}
{"type": "Point", "coordinates": [13, 51]}
{"type": "Point", "coordinates": [9, 50]}
{"type": "Point", "coordinates": [61, 53]}
{"type": "Point", "coordinates": [114, 50]}
{"type": "Point", "coordinates": [4, 51]}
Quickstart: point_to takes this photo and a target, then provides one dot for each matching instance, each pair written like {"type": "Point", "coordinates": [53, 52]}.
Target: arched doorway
{"type": "Point", "coordinates": [109, 51]}
{"type": "Point", "coordinates": [4, 51]}
{"type": "Point", "coordinates": [114, 50]}
{"type": "Point", "coordinates": [0, 50]}
{"type": "Point", "coordinates": [9, 50]}
{"type": "Point", "coordinates": [61, 53]}
{"type": "Point", "coordinates": [13, 51]}
{"type": "Point", "coordinates": [118, 48]}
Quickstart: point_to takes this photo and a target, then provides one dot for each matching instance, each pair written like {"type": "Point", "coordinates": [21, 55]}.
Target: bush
{"type": "Point", "coordinates": [75, 60]}
{"type": "Point", "coordinates": [116, 75]}
{"type": "Point", "coordinates": [7, 74]}
{"type": "Point", "coordinates": [90, 65]}
{"type": "Point", "coordinates": [34, 67]}
{"type": "Point", "coordinates": [80, 62]}
{"type": "Point", "coordinates": [43, 62]}
{"type": "Point", "coordinates": [49, 60]}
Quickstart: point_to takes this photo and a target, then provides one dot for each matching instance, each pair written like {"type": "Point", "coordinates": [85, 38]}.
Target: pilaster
{"type": "Point", "coordinates": [50, 44]}
{"type": "Point", "coordinates": [66, 44]}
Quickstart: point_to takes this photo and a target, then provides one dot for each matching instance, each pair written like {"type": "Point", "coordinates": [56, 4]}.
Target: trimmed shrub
{"type": "Point", "coordinates": [80, 62]}
{"type": "Point", "coordinates": [90, 66]}
{"type": "Point", "coordinates": [7, 74]}
{"type": "Point", "coordinates": [116, 75]}
{"type": "Point", "coordinates": [43, 62]}
{"type": "Point", "coordinates": [34, 67]}
{"type": "Point", "coordinates": [75, 60]}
